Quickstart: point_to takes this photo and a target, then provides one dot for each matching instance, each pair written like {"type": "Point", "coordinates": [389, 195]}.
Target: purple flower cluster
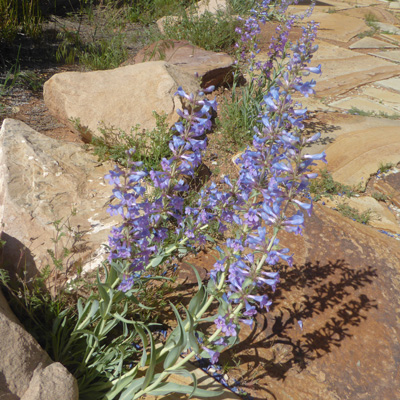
{"type": "Point", "coordinates": [146, 221]}
{"type": "Point", "coordinates": [274, 174]}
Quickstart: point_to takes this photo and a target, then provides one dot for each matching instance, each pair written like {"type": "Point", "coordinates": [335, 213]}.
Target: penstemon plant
{"type": "Point", "coordinates": [269, 196]}
{"type": "Point", "coordinates": [244, 109]}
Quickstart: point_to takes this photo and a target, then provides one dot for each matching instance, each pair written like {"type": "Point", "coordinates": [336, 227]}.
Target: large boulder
{"type": "Point", "coordinates": [43, 180]}
{"type": "Point", "coordinates": [27, 372]}
{"type": "Point", "coordinates": [212, 68]}
{"type": "Point", "coordinates": [122, 97]}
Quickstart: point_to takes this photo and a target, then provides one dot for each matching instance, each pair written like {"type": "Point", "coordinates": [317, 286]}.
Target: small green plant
{"type": "Point", "coordinates": [148, 11]}
{"type": "Point", "coordinates": [31, 80]}
{"type": "Point", "coordinates": [385, 167]}
{"type": "Point", "coordinates": [214, 32]}
{"type": "Point", "coordinates": [370, 18]}
{"type": "Point", "coordinates": [18, 16]}
{"type": "Point", "coordinates": [354, 214]}
{"type": "Point", "coordinates": [104, 54]}
{"type": "Point", "coordinates": [151, 146]}
{"type": "Point", "coordinates": [106, 47]}
{"type": "Point", "coordinates": [238, 115]}
{"type": "Point", "coordinates": [325, 185]}
{"type": "Point", "coordinates": [380, 114]}
{"type": "Point", "coordinates": [378, 196]}
{"type": "Point", "coordinates": [368, 33]}
{"type": "Point", "coordinates": [11, 77]}
{"type": "Point", "coordinates": [241, 7]}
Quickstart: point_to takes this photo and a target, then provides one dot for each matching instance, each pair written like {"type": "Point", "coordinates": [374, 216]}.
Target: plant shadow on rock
{"type": "Point", "coordinates": [274, 345]}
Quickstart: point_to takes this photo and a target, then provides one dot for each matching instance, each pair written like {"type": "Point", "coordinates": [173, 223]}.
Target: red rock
{"type": "Point", "coordinates": [390, 186]}
{"type": "Point", "coordinates": [212, 68]}
{"type": "Point", "coordinates": [345, 288]}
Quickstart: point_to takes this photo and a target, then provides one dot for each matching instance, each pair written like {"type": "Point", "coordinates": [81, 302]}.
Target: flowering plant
{"type": "Point", "coordinates": [269, 195]}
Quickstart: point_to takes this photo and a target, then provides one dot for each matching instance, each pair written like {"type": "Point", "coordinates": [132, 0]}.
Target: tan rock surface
{"type": "Point", "coordinates": [41, 181]}
{"type": "Point", "coordinates": [371, 43]}
{"type": "Point", "coordinates": [390, 98]}
{"type": "Point", "coordinates": [332, 125]}
{"type": "Point", "coordinates": [336, 68]}
{"type": "Point", "coordinates": [388, 28]}
{"type": "Point", "coordinates": [123, 97]}
{"type": "Point", "coordinates": [391, 55]}
{"type": "Point", "coordinates": [338, 27]}
{"type": "Point", "coordinates": [392, 84]}
{"type": "Point", "coordinates": [329, 51]}
{"type": "Point", "coordinates": [355, 156]}
{"type": "Point", "coordinates": [378, 11]}
{"type": "Point", "coordinates": [212, 6]}
{"type": "Point", "coordinates": [344, 83]}
{"type": "Point", "coordinates": [363, 104]}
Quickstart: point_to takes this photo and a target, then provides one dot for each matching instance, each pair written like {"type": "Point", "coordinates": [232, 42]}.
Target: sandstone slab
{"type": "Point", "coordinates": [123, 97]}
{"type": "Point", "coordinates": [27, 372]}
{"type": "Point", "coordinates": [391, 55]}
{"type": "Point", "coordinates": [387, 97]}
{"type": "Point", "coordinates": [211, 6]}
{"type": "Point", "coordinates": [388, 28]}
{"type": "Point", "coordinates": [337, 26]}
{"type": "Point", "coordinates": [41, 181]}
{"type": "Point", "coordinates": [212, 68]}
{"type": "Point", "coordinates": [329, 51]}
{"type": "Point", "coordinates": [203, 6]}
{"type": "Point", "coordinates": [363, 104]}
{"type": "Point", "coordinates": [355, 156]}
{"type": "Point", "coordinates": [394, 5]}
{"type": "Point", "coordinates": [391, 38]}
{"type": "Point", "coordinates": [335, 68]}
{"type": "Point", "coordinates": [371, 43]}
{"type": "Point", "coordinates": [392, 83]}
{"type": "Point", "coordinates": [344, 83]}
{"type": "Point", "coordinates": [332, 125]}
{"type": "Point", "coordinates": [379, 12]}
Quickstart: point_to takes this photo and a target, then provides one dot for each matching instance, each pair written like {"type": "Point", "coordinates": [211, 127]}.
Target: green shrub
{"type": "Point", "coordinates": [151, 146]}
{"type": "Point", "coordinates": [354, 214]}
{"type": "Point", "coordinates": [213, 32]}
{"type": "Point", "coordinates": [325, 185]}
{"type": "Point", "coordinates": [16, 15]}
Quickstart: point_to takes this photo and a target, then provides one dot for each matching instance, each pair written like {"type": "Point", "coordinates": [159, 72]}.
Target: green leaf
{"type": "Point", "coordinates": [180, 338]}
{"type": "Point", "coordinates": [197, 300]}
{"type": "Point", "coordinates": [185, 372]}
{"type": "Point", "coordinates": [172, 356]}
{"type": "Point", "coordinates": [103, 294]}
{"type": "Point", "coordinates": [157, 261]}
{"type": "Point", "coordinates": [153, 361]}
{"type": "Point", "coordinates": [122, 319]}
{"type": "Point", "coordinates": [133, 388]}
{"type": "Point", "coordinates": [145, 343]}
{"type": "Point", "coordinates": [169, 387]}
